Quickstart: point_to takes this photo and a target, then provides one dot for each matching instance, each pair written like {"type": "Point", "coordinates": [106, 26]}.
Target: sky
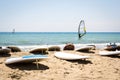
{"type": "Point", "coordinates": [59, 15]}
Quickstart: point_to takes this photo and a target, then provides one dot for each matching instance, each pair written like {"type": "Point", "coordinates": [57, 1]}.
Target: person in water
{"type": "Point", "coordinates": [80, 35]}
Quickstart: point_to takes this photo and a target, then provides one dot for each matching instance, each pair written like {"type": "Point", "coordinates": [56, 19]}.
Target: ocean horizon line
{"type": "Point", "coordinates": [56, 32]}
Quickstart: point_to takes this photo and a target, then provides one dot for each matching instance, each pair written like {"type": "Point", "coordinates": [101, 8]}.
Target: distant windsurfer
{"type": "Point", "coordinates": [13, 31]}
{"type": "Point", "coordinates": [81, 29]}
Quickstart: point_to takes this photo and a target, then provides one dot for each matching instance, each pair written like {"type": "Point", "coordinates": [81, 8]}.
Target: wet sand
{"type": "Point", "coordinates": [95, 68]}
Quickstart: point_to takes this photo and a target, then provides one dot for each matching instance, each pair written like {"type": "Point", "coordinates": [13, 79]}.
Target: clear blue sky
{"type": "Point", "coordinates": [59, 15]}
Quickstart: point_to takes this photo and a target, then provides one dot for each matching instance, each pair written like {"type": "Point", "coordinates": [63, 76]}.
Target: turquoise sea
{"type": "Point", "coordinates": [56, 38]}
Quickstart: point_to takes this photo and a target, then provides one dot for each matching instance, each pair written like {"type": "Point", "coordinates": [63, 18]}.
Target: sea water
{"type": "Point", "coordinates": [56, 38]}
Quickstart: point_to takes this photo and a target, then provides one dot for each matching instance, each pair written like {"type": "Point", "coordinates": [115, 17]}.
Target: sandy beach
{"type": "Point", "coordinates": [95, 68]}
{"type": "Point", "coordinates": [88, 28]}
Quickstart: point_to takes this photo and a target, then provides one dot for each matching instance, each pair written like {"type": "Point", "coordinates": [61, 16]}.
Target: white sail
{"type": "Point", "coordinates": [81, 29]}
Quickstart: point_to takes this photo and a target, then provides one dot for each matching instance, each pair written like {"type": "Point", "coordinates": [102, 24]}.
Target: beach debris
{"type": "Point", "coordinates": [14, 49]}
{"type": "Point", "coordinates": [1, 62]}
{"type": "Point", "coordinates": [15, 75]}
{"type": "Point", "coordinates": [69, 46]}
{"type": "Point", "coordinates": [54, 48]}
{"type": "Point", "coordinates": [39, 51]}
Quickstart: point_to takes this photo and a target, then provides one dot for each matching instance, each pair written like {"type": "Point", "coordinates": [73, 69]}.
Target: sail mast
{"type": "Point", "coordinates": [79, 30]}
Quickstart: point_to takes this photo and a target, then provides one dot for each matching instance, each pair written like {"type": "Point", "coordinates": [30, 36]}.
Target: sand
{"type": "Point", "coordinates": [95, 68]}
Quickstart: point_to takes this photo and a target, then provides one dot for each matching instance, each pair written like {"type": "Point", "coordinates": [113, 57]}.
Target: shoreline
{"type": "Point", "coordinates": [98, 46]}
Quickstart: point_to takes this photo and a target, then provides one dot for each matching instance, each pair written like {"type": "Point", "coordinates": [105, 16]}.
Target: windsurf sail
{"type": "Point", "coordinates": [13, 31]}
{"type": "Point", "coordinates": [81, 29]}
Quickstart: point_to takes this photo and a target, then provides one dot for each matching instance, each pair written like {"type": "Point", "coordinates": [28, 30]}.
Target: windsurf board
{"type": "Point", "coordinates": [69, 56]}
{"type": "Point", "coordinates": [25, 59]}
